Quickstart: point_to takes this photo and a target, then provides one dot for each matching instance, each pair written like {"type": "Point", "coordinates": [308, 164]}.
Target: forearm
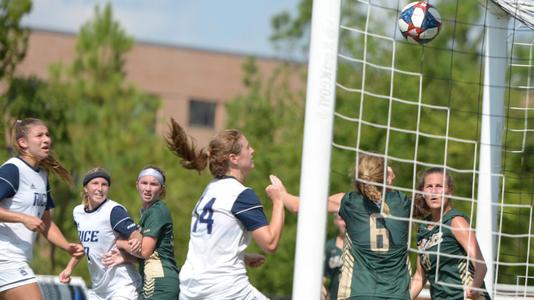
{"type": "Point", "coordinates": [480, 273]}
{"type": "Point", "coordinates": [275, 226]}
{"type": "Point", "coordinates": [148, 245]}
{"type": "Point", "coordinates": [123, 245]}
{"type": "Point", "coordinates": [416, 286]}
{"type": "Point", "coordinates": [73, 262]}
{"type": "Point", "coordinates": [8, 216]}
{"type": "Point", "coordinates": [291, 202]}
{"type": "Point", "coordinates": [56, 237]}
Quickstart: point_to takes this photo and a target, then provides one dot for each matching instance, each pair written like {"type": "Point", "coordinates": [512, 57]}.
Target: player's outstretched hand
{"type": "Point", "coordinates": [76, 250]}
{"type": "Point", "coordinates": [254, 260]}
{"type": "Point", "coordinates": [112, 258]}
{"type": "Point", "coordinates": [276, 189]}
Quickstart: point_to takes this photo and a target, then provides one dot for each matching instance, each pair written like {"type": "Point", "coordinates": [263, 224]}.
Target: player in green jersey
{"type": "Point", "coordinates": [460, 273]}
{"type": "Point", "coordinates": [158, 265]}
{"type": "Point", "coordinates": [375, 256]}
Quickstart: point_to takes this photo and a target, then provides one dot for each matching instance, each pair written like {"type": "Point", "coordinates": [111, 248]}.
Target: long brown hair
{"type": "Point", "coordinates": [21, 129]}
{"type": "Point", "coordinates": [421, 209]}
{"type": "Point", "coordinates": [216, 156]}
{"type": "Point", "coordinates": [371, 170]}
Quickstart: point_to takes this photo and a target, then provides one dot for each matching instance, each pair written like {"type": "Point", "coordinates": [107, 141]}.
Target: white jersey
{"type": "Point", "coordinates": [98, 237]}
{"type": "Point", "coordinates": [215, 267]}
{"type": "Point", "coordinates": [30, 198]}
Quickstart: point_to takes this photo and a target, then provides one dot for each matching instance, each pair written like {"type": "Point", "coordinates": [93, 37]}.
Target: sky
{"type": "Point", "coordinates": [236, 26]}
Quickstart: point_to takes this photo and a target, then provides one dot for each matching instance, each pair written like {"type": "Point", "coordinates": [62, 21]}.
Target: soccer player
{"type": "Point", "coordinates": [450, 233]}
{"type": "Point", "coordinates": [100, 222]}
{"type": "Point", "coordinates": [225, 218]}
{"type": "Point", "coordinates": [375, 257]}
{"type": "Point", "coordinates": [25, 204]}
{"type": "Point", "coordinates": [332, 260]}
{"type": "Point", "coordinates": [158, 266]}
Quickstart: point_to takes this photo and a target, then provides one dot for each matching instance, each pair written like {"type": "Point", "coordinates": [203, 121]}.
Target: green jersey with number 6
{"type": "Point", "coordinates": [375, 262]}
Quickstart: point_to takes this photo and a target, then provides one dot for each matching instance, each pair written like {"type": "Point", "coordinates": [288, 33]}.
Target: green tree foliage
{"type": "Point", "coordinates": [13, 37]}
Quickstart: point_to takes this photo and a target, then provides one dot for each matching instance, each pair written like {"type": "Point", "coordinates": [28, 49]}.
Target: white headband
{"type": "Point", "coordinates": [152, 172]}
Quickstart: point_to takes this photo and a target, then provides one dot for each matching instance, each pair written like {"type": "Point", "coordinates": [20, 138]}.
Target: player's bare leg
{"type": "Point", "coordinates": [28, 291]}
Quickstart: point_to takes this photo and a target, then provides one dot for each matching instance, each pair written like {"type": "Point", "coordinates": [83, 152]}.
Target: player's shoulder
{"type": "Point", "coordinates": [227, 186]}
{"type": "Point", "coordinates": [78, 209]}
{"type": "Point", "coordinates": [111, 204]}
{"type": "Point", "coordinates": [158, 209]}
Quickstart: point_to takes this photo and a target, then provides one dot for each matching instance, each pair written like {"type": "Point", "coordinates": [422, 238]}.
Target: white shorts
{"type": "Point", "coordinates": [15, 274]}
{"type": "Point", "coordinates": [127, 292]}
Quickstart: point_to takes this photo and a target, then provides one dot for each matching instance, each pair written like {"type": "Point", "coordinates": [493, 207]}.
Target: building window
{"type": "Point", "coordinates": [201, 113]}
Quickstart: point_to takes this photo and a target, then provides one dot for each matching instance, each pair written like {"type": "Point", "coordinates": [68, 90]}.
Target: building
{"type": "Point", "coordinates": [193, 84]}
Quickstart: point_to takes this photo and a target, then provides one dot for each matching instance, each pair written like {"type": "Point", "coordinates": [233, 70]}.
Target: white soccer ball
{"type": "Point", "coordinates": [419, 22]}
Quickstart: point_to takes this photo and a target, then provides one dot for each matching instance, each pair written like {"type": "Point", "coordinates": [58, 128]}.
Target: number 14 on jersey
{"type": "Point", "coordinates": [206, 216]}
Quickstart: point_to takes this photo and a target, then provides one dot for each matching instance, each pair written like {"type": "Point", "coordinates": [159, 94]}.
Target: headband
{"type": "Point", "coordinates": [97, 174]}
{"type": "Point", "coordinates": [152, 172]}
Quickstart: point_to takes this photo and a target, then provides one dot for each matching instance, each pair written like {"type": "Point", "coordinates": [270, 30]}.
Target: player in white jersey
{"type": "Point", "coordinates": [225, 218]}
{"type": "Point", "coordinates": [100, 222]}
{"type": "Point", "coordinates": [25, 204]}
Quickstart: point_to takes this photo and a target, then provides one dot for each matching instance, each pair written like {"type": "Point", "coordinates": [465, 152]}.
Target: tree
{"type": "Point", "coordinates": [13, 44]}
{"type": "Point", "coordinates": [96, 118]}
{"type": "Point", "coordinates": [13, 37]}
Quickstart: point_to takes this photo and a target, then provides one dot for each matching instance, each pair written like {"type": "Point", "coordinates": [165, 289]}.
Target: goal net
{"type": "Point", "coordinates": [461, 102]}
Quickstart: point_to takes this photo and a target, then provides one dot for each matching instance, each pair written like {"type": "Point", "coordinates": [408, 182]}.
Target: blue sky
{"type": "Point", "coordinates": [240, 26]}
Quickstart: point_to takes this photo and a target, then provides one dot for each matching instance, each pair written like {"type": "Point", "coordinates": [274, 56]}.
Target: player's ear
{"type": "Point", "coordinates": [22, 143]}
{"type": "Point", "coordinates": [233, 158]}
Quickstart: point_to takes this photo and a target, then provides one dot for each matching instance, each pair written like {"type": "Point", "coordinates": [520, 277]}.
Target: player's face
{"type": "Point", "coordinates": [435, 188]}
{"type": "Point", "coordinates": [149, 189]}
{"type": "Point", "coordinates": [97, 191]}
{"type": "Point", "coordinates": [245, 157]}
{"type": "Point", "coordinates": [37, 143]}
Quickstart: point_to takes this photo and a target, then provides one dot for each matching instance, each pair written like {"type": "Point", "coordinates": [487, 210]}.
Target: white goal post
{"type": "Point", "coordinates": [495, 62]}
{"type": "Point", "coordinates": [320, 103]}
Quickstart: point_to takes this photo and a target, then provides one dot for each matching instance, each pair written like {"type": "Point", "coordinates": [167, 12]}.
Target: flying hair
{"type": "Point", "coordinates": [216, 156]}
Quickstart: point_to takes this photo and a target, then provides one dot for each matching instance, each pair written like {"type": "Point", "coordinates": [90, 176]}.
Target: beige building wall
{"type": "Point", "coordinates": [175, 74]}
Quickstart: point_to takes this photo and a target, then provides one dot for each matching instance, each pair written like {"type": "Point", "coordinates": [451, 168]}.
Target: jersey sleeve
{"type": "Point", "coordinates": [9, 181]}
{"type": "Point", "coordinates": [153, 223]}
{"type": "Point", "coordinates": [342, 206]}
{"type": "Point", "coordinates": [49, 200]}
{"type": "Point", "coordinates": [248, 209]}
{"type": "Point", "coordinates": [121, 222]}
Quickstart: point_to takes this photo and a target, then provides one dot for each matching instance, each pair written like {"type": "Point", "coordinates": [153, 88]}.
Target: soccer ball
{"type": "Point", "coordinates": [419, 22]}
